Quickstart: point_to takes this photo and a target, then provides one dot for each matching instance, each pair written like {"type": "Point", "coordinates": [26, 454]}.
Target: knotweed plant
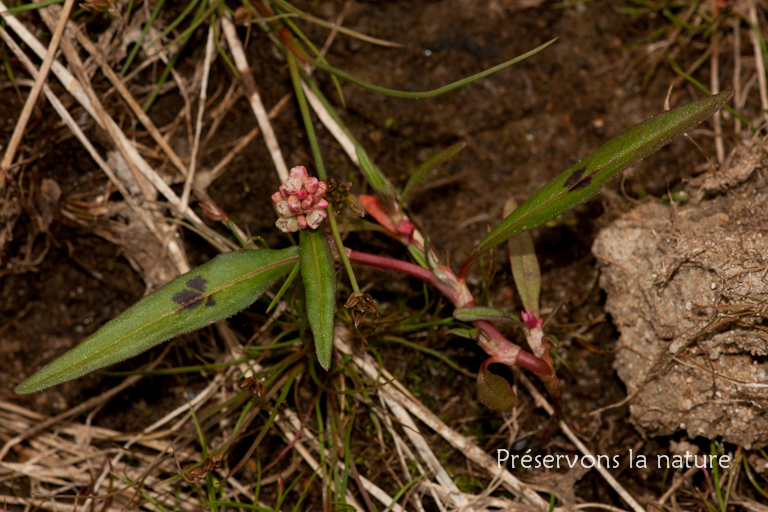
{"type": "Point", "coordinates": [233, 281]}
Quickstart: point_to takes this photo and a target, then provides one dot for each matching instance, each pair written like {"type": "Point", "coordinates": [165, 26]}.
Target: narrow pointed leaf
{"type": "Point", "coordinates": [376, 178]}
{"type": "Point", "coordinates": [475, 313]}
{"type": "Point", "coordinates": [432, 162]}
{"type": "Point", "coordinates": [586, 178]}
{"type": "Point", "coordinates": [494, 390]}
{"type": "Point", "coordinates": [525, 265]}
{"type": "Point", "coordinates": [211, 292]}
{"type": "Point", "coordinates": [319, 278]}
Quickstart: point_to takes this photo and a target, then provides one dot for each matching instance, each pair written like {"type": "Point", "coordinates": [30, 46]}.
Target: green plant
{"type": "Point", "coordinates": [233, 281]}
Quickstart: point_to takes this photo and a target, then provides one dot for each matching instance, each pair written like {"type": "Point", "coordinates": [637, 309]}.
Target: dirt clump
{"type": "Point", "coordinates": [687, 286]}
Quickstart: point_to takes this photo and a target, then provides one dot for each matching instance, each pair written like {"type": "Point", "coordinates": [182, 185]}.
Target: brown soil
{"type": "Point", "coordinates": [522, 126]}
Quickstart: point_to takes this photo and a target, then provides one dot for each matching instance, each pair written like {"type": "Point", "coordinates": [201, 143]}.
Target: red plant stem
{"type": "Point", "coordinates": [506, 352]}
{"type": "Point", "coordinates": [497, 346]}
{"type": "Point", "coordinates": [404, 267]}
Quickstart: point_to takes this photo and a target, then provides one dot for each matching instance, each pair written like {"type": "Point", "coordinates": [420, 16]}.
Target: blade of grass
{"type": "Point", "coordinates": [326, 24]}
{"type": "Point", "coordinates": [426, 94]}
{"type": "Point", "coordinates": [434, 353]}
{"type": "Point", "coordinates": [424, 169]}
{"type": "Point", "coordinates": [137, 47]}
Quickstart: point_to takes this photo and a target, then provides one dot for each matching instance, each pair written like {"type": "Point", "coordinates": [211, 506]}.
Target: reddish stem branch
{"type": "Point", "coordinates": [506, 352]}
{"type": "Point", "coordinates": [404, 267]}
{"type": "Point", "coordinates": [497, 346]}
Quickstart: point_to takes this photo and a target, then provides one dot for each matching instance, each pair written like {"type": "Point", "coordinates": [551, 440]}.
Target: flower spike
{"type": "Point", "coordinates": [300, 202]}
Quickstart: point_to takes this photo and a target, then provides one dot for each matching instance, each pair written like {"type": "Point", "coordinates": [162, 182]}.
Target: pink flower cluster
{"type": "Point", "coordinates": [532, 320]}
{"type": "Point", "coordinates": [300, 202]}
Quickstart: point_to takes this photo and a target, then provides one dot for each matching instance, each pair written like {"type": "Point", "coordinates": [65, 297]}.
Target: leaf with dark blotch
{"type": "Point", "coordinates": [319, 276]}
{"type": "Point", "coordinates": [585, 179]}
{"type": "Point", "coordinates": [525, 265]}
{"type": "Point", "coordinates": [211, 292]}
{"type": "Point", "coordinates": [494, 390]}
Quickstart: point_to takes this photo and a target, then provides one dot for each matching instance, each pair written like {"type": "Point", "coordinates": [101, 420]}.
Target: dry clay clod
{"type": "Point", "coordinates": [688, 289]}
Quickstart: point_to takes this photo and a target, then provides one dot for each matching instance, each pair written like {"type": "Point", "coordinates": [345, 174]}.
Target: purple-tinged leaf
{"type": "Point", "coordinates": [525, 264]}
{"type": "Point", "coordinates": [494, 390]}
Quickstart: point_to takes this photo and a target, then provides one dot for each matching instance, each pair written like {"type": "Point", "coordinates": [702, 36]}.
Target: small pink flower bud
{"type": "Point", "coordinates": [315, 218]}
{"type": "Point", "coordinates": [294, 204]}
{"type": "Point", "coordinates": [532, 320]}
{"type": "Point", "coordinates": [283, 209]}
{"type": "Point", "coordinates": [299, 201]}
{"type": "Point", "coordinates": [300, 172]}
{"type": "Point", "coordinates": [287, 224]}
{"type": "Point", "coordinates": [293, 185]}
{"type": "Point", "coordinates": [311, 184]}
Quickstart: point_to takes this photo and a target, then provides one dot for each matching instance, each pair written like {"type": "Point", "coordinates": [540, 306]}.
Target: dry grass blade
{"type": "Point", "coordinates": [139, 211]}
{"type": "Point", "coordinates": [129, 99]}
{"type": "Point", "coordinates": [417, 439]}
{"type": "Point", "coordinates": [209, 54]}
{"type": "Point", "coordinates": [253, 96]}
{"type": "Point", "coordinates": [26, 112]}
{"type": "Point", "coordinates": [544, 404]}
{"type": "Point", "coordinates": [74, 411]}
{"type": "Point", "coordinates": [462, 444]}
{"type": "Point", "coordinates": [762, 78]}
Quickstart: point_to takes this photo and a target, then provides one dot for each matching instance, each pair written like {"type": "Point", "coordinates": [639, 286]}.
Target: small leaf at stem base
{"type": "Point", "coordinates": [494, 390]}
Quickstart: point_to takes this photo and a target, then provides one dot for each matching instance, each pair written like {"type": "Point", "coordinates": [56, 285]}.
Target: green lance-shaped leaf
{"type": "Point", "coordinates": [319, 278]}
{"type": "Point", "coordinates": [586, 178]}
{"type": "Point", "coordinates": [494, 390]}
{"type": "Point", "coordinates": [525, 265]}
{"type": "Point", "coordinates": [211, 292]}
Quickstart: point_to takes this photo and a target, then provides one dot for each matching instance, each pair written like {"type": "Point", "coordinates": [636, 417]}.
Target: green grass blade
{"type": "Point", "coordinates": [587, 177]}
{"type": "Point", "coordinates": [425, 168]}
{"type": "Point", "coordinates": [135, 51]}
{"type": "Point", "coordinates": [376, 178]}
{"type": "Point", "coordinates": [211, 292]}
{"type": "Point", "coordinates": [279, 295]}
{"type": "Point", "coordinates": [426, 94]}
{"type": "Point", "coordinates": [30, 7]}
{"type": "Point", "coordinates": [319, 276]}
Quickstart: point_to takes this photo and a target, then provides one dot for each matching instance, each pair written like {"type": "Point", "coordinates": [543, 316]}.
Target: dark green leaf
{"type": "Point", "coordinates": [211, 292]}
{"type": "Point", "coordinates": [319, 278]}
{"type": "Point", "coordinates": [493, 390]}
